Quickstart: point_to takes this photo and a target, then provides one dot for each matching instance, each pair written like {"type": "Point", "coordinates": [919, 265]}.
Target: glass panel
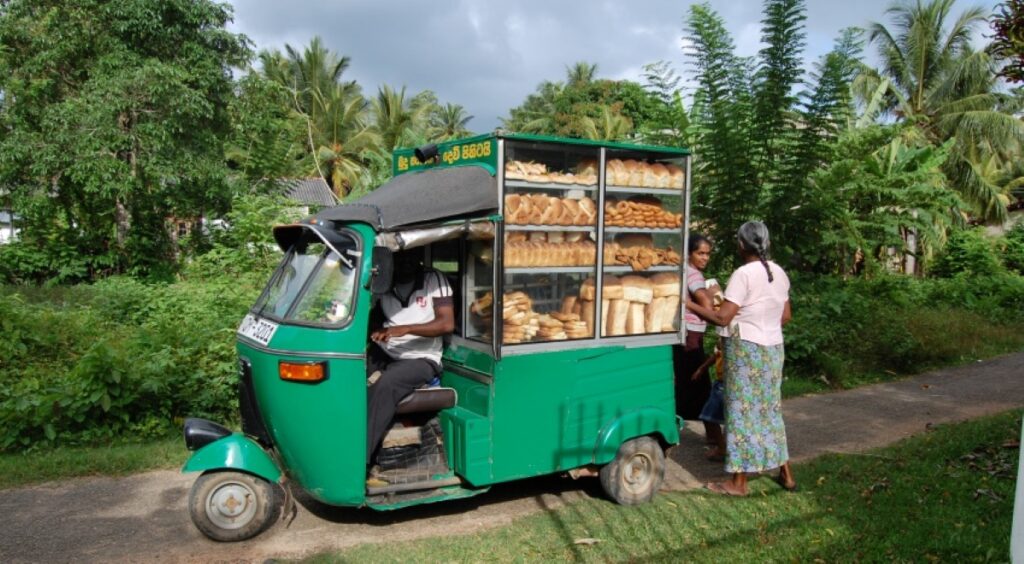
{"type": "Point", "coordinates": [643, 207]}
{"type": "Point", "coordinates": [328, 298]}
{"type": "Point", "coordinates": [480, 289]}
{"type": "Point", "coordinates": [293, 273]}
{"type": "Point", "coordinates": [550, 241]}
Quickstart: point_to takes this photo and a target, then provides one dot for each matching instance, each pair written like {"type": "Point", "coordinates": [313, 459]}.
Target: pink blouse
{"type": "Point", "coordinates": [761, 303]}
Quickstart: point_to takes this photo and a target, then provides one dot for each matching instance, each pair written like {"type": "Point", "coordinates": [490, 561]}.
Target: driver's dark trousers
{"type": "Point", "coordinates": [398, 379]}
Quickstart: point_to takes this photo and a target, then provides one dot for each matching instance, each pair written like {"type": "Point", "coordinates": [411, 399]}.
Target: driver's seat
{"type": "Point", "coordinates": [431, 397]}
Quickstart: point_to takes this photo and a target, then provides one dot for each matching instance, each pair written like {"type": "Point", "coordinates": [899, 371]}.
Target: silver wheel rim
{"type": "Point", "coordinates": [231, 505]}
{"type": "Point", "coordinates": [638, 472]}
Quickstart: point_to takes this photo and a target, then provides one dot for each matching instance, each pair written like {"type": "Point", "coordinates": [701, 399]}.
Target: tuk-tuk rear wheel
{"type": "Point", "coordinates": [636, 473]}
{"type": "Point", "coordinates": [233, 506]}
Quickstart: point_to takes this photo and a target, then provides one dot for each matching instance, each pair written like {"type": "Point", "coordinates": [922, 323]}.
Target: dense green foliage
{"type": "Point", "coordinates": [114, 117]}
{"type": "Point", "coordinates": [86, 363]}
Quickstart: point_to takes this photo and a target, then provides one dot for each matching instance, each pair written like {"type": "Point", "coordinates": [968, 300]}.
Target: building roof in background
{"type": "Point", "coordinates": [309, 191]}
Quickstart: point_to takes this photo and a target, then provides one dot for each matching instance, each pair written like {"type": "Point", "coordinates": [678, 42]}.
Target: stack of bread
{"type": "Point", "coordinates": [633, 305]}
{"type": "Point", "coordinates": [537, 172]}
{"type": "Point", "coordinates": [520, 322]}
{"type": "Point", "coordinates": [646, 213]}
{"type": "Point", "coordinates": [643, 175]}
{"type": "Point", "coordinates": [558, 326]}
{"type": "Point", "coordinates": [541, 209]}
{"type": "Point", "coordinates": [520, 254]}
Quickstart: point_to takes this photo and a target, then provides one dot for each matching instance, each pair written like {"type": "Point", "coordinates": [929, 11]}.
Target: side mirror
{"type": "Point", "coordinates": [383, 270]}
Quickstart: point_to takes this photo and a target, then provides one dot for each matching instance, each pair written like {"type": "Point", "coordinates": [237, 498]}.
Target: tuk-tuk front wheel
{"type": "Point", "coordinates": [636, 473]}
{"type": "Point", "coordinates": [232, 506]}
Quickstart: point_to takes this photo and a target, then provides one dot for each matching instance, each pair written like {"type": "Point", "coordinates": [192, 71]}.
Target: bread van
{"type": "Point", "coordinates": [566, 262]}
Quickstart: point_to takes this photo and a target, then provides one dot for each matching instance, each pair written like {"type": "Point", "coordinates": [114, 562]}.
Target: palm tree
{"type": "Point", "coordinates": [610, 125]}
{"type": "Point", "coordinates": [448, 122]}
{"type": "Point", "coordinates": [580, 74]}
{"type": "Point", "coordinates": [337, 130]}
{"type": "Point", "coordinates": [396, 119]}
{"type": "Point", "coordinates": [938, 81]}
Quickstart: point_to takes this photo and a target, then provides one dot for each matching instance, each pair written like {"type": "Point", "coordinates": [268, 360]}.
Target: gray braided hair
{"type": "Point", "coordinates": [753, 237]}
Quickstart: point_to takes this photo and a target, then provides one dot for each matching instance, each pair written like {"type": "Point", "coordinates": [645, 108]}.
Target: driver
{"type": "Point", "coordinates": [406, 352]}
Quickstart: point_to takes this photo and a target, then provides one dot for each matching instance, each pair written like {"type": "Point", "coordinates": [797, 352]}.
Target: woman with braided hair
{"type": "Point", "coordinates": [751, 318]}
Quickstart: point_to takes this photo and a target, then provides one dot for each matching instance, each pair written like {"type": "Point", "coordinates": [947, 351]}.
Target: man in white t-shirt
{"type": "Point", "coordinates": [406, 351]}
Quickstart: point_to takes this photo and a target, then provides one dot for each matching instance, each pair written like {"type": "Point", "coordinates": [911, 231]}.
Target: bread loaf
{"type": "Point", "coordinates": [654, 315]}
{"type": "Point", "coordinates": [618, 314]}
{"type": "Point", "coordinates": [677, 176]}
{"type": "Point", "coordinates": [670, 318]}
{"type": "Point", "coordinates": [637, 289]}
{"type": "Point", "coordinates": [665, 284]}
{"type": "Point", "coordinates": [635, 322]}
{"type": "Point", "coordinates": [586, 312]}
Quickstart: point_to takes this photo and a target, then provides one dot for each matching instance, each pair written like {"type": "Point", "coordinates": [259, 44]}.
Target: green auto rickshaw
{"type": "Point", "coordinates": [565, 257]}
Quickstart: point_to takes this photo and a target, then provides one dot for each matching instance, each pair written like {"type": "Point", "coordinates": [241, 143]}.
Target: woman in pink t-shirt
{"type": "Point", "coordinates": [755, 309]}
{"type": "Point", "coordinates": [693, 386]}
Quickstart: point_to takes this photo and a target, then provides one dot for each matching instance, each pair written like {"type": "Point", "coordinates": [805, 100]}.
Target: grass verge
{"type": "Point", "coordinates": [69, 462]}
{"type": "Point", "coordinates": [943, 496]}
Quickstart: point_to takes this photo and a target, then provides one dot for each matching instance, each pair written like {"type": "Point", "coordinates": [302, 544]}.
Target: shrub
{"type": "Point", "coordinates": [967, 252]}
{"type": "Point", "coordinates": [1012, 249]}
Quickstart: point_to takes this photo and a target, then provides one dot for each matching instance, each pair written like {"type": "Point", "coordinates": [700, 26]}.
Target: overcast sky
{"type": "Point", "coordinates": [488, 56]}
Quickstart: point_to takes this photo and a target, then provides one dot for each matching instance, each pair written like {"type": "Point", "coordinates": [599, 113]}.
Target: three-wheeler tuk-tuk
{"type": "Point", "coordinates": [566, 263]}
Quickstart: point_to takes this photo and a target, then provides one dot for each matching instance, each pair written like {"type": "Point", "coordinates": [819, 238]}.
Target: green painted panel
{"type": "Point", "coordinates": [443, 494]}
{"type": "Point", "coordinates": [481, 149]}
{"type": "Point", "coordinates": [235, 452]}
{"type": "Point", "coordinates": [468, 442]}
{"type": "Point", "coordinates": [549, 409]}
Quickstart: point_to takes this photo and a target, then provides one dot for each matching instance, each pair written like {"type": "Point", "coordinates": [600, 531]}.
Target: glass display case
{"type": "Point", "coordinates": [570, 208]}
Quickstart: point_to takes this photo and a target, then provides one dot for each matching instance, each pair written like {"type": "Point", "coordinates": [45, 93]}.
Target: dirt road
{"type": "Point", "coordinates": [143, 518]}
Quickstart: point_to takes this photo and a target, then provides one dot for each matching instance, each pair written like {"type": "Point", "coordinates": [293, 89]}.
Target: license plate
{"type": "Point", "coordinates": [259, 330]}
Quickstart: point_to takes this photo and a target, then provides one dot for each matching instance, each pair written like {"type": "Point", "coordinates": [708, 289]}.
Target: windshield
{"type": "Point", "coordinates": [313, 285]}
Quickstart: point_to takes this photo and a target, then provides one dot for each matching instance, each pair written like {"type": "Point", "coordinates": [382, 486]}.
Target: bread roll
{"type": "Point", "coordinates": [663, 177]}
{"type": "Point", "coordinates": [635, 321]}
{"type": "Point", "coordinates": [677, 176]}
{"type": "Point", "coordinates": [552, 213]}
{"type": "Point", "coordinates": [637, 289]}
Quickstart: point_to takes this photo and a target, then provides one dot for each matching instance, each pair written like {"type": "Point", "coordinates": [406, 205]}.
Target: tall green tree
{"type": "Point", "coordinates": [336, 123]}
{"type": "Point", "coordinates": [396, 119]}
{"type": "Point", "coordinates": [950, 90]}
{"type": "Point", "coordinates": [727, 188]}
{"type": "Point", "coordinates": [116, 115]}
{"type": "Point", "coordinates": [448, 122]}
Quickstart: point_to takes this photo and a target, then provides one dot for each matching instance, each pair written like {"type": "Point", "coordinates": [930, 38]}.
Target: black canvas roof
{"type": "Point", "coordinates": [413, 198]}
{"type": "Point", "coordinates": [422, 197]}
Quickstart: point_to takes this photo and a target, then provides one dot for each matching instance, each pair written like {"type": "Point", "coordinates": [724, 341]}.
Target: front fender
{"type": "Point", "coordinates": [638, 423]}
{"type": "Point", "coordinates": [235, 452]}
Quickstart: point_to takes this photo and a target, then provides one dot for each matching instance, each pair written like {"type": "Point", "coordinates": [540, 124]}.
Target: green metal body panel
{"type": "Point", "coordinates": [235, 452]}
{"type": "Point", "coordinates": [319, 429]}
{"type": "Point", "coordinates": [554, 411]}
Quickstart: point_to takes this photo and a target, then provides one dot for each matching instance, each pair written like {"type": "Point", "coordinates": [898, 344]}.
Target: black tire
{"type": "Point", "coordinates": [636, 473]}
{"type": "Point", "coordinates": [233, 506]}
